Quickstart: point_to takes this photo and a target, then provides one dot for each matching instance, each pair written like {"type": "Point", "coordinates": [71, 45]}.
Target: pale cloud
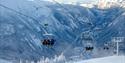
{"type": "Point", "coordinates": [67, 1]}
{"type": "Point", "coordinates": [64, 1]}
{"type": "Point", "coordinates": [61, 1]}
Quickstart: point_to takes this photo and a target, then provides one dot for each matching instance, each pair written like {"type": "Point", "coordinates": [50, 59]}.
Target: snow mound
{"type": "Point", "coordinates": [111, 59]}
{"type": "Point", "coordinates": [4, 61]}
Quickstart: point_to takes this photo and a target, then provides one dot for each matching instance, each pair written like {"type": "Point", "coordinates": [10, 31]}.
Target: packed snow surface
{"type": "Point", "coordinates": [110, 59]}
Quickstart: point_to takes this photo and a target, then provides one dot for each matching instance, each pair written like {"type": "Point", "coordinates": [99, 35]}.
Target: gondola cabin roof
{"type": "Point", "coordinates": [48, 36]}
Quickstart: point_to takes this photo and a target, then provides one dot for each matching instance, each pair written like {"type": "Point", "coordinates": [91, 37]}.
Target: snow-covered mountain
{"type": "Point", "coordinates": [22, 28]}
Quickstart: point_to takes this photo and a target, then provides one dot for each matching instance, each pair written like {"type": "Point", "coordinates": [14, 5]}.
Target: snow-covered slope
{"type": "Point", "coordinates": [22, 28]}
{"type": "Point", "coordinates": [110, 59]}
{"type": "Point", "coordinates": [4, 61]}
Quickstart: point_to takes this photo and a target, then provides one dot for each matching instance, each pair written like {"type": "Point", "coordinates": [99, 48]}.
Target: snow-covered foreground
{"type": "Point", "coordinates": [4, 61]}
{"type": "Point", "coordinates": [111, 59]}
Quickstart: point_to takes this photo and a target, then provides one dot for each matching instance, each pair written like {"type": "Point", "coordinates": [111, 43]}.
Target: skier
{"type": "Point", "coordinates": [52, 41]}
{"type": "Point", "coordinates": [48, 42]}
{"type": "Point", "coordinates": [106, 47]}
{"type": "Point", "coordinates": [45, 42]}
{"type": "Point", "coordinates": [89, 48]}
